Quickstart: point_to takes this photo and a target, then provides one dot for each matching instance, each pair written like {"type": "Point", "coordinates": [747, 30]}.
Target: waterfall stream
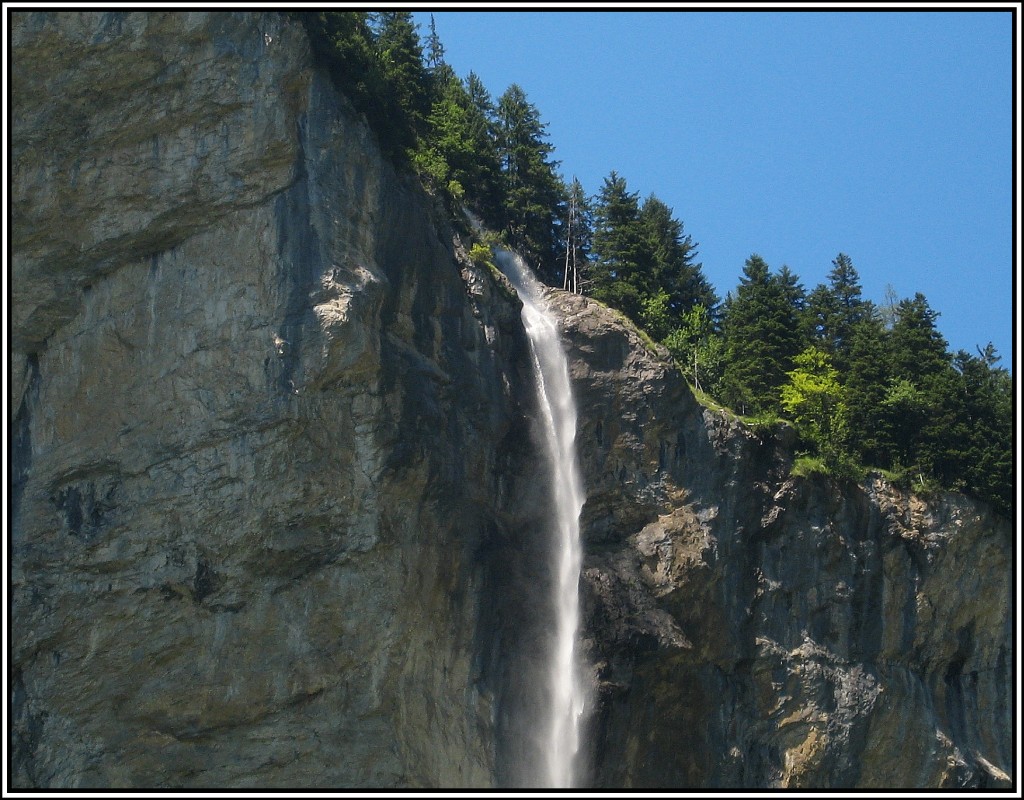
{"type": "Point", "coordinates": [560, 732]}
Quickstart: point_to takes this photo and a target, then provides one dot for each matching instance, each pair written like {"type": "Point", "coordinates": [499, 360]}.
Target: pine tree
{"type": "Point", "coordinates": [344, 42]}
{"type": "Point", "coordinates": [983, 441]}
{"type": "Point", "coordinates": [761, 338]}
{"type": "Point", "coordinates": [925, 389]}
{"type": "Point", "coordinates": [867, 378]}
{"type": "Point", "coordinates": [673, 267]}
{"type": "Point", "coordinates": [406, 90]}
{"type": "Point", "coordinates": [836, 309]}
{"type": "Point", "coordinates": [621, 248]}
{"type": "Point", "coordinates": [489, 193]}
{"type": "Point", "coordinates": [533, 190]}
{"type": "Point", "coordinates": [434, 50]}
{"type": "Point", "coordinates": [458, 154]}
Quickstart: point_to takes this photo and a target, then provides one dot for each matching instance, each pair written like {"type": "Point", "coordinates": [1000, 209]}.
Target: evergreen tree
{"type": "Point", "coordinates": [983, 439]}
{"type": "Point", "coordinates": [458, 154]}
{"type": "Point", "coordinates": [761, 339]}
{"type": "Point", "coordinates": [925, 389]}
{"type": "Point", "coordinates": [533, 190]}
{"type": "Point", "coordinates": [673, 268]}
{"type": "Point", "coordinates": [344, 42]}
{"type": "Point", "coordinates": [434, 48]}
{"type": "Point", "coordinates": [407, 90]}
{"type": "Point", "coordinates": [488, 193]}
{"type": "Point", "coordinates": [621, 249]}
{"type": "Point", "coordinates": [839, 311]}
{"type": "Point", "coordinates": [867, 378]}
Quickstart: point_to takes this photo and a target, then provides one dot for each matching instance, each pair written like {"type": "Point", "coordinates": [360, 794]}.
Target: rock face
{"type": "Point", "coordinates": [276, 519]}
{"type": "Point", "coordinates": [750, 629]}
{"type": "Point", "coordinates": [266, 426]}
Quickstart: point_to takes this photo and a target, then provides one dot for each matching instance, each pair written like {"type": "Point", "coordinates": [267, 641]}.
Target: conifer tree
{"type": "Point", "coordinates": [673, 267]}
{"type": "Point", "coordinates": [489, 193]}
{"type": "Point", "coordinates": [533, 190]}
{"type": "Point", "coordinates": [406, 80]}
{"type": "Point", "coordinates": [867, 378]}
{"type": "Point", "coordinates": [761, 339]}
{"type": "Point", "coordinates": [925, 388]}
{"type": "Point", "coordinates": [621, 248]}
{"type": "Point", "coordinates": [983, 440]}
{"type": "Point", "coordinates": [434, 50]}
{"type": "Point", "coordinates": [835, 310]}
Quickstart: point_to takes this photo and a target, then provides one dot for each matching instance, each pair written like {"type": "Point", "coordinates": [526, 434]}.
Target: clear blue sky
{"type": "Point", "coordinates": [796, 135]}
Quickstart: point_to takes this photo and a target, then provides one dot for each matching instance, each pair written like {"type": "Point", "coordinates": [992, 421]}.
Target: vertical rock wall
{"type": "Point", "coordinates": [753, 630]}
{"type": "Point", "coordinates": [265, 425]}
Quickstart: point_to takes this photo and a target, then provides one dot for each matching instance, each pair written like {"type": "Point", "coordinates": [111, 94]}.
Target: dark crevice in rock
{"type": "Point", "coordinates": [298, 247]}
{"type": "Point", "coordinates": [21, 442]}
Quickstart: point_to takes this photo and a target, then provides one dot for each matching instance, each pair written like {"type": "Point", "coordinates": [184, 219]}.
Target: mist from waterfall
{"type": "Point", "coordinates": [560, 732]}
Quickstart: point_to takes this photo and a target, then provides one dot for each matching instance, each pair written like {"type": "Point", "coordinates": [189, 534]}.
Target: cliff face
{"type": "Point", "coordinates": [751, 629]}
{"type": "Point", "coordinates": [276, 519]}
{"type": "Point", "coordinates": [265, 425]}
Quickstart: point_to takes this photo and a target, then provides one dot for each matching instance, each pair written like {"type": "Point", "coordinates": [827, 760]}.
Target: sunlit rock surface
{"type": "Point", "coordinates": [277, 519]}
{"type": "Point", "coordinates": [752, 629]}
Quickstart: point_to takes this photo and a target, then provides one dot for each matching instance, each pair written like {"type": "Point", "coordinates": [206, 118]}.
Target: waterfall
{"type": "Point", "coordinates": [560, 732]}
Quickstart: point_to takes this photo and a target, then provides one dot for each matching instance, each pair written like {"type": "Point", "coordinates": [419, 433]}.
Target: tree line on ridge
{"type": "Point", "coordinates": [865, 385]}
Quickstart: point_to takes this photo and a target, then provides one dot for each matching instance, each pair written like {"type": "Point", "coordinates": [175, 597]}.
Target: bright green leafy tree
{"type": "Point", "coordinates": [815, 399]}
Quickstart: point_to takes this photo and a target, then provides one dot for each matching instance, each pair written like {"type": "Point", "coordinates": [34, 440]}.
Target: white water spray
{"type": "Point", "coordinates": [561, 730]}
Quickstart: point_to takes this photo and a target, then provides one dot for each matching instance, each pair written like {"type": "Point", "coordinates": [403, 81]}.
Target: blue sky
{"type": "Point", "coordinates": [796, 135]}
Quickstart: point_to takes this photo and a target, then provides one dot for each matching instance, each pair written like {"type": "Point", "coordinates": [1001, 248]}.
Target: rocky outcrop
{"type": "Point", "coordinates": [277, 519]}
{"type": "Point", "coordinates": [751, 629]}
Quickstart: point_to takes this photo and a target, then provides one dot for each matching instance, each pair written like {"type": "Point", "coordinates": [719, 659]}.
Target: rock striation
{"type": "Point", "coordinates": [276, 519]}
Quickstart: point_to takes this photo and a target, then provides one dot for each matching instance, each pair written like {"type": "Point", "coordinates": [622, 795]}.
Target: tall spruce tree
{"type": "Point", "coordinates": [673, 266]}
{"type": "Point", "coordinates": [621, 249]}
{"type": "Point", "coordinates": [982, 445]}
{"type": "Point", "coordinates": [837, 309]}
{"type": "Point", "coordinates": [489, 192]}
{"type": "Point", "coordinates": [406, 92]}
{"type": "Point", "coordinates": [458, 152]}
{"type": "Point", "coordinates": [761, 339]}
{"type": "Point", "coordinates": [533, 190]}
{"type": "Point", "coordinates": [926, 384]}
{"type": "Point", "coordinates": [867, 377]}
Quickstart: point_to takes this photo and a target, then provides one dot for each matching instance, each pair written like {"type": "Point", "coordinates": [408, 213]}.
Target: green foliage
{"type": "Point", "coordinates": [532, 189]}
{"type": "Point", "coordinates": [806, 466]}
{"type": "Point", "coordinates": [815, 399]}
{"type": "Point", "coordinates": [481, 255]}
{"type": "Point", "coordinates": [763, 423]}
{"type": "Point", "coordinates": [761, 339]}
{"type": "Point", "coordinates": [699, 352]}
